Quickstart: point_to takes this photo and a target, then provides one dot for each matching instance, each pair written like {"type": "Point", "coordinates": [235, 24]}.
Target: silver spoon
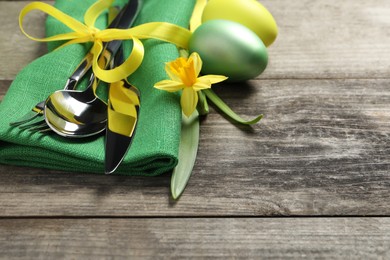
{"type": "Point", "coordinates": [76, 113]}
{"type": "Point", "coordinates": [33, 117]}
{"type": "Point", "coordinates": [72, 113]}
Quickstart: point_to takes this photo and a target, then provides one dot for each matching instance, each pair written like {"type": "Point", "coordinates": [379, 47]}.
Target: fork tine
{"type": "Point", "coordinates": [30, 115]}
{"type": "Point", "coordinates": [24, 119]}
{"type": "Point", "coordinates": [34, 122]}
{"type": "Point", "coordinates": [39, 128]}
{"type": "Point", "coordinates": [71, 83]}
{"type": "Point", "coordinates": [44, 130]}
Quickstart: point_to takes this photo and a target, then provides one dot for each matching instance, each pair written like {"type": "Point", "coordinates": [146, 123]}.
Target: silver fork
{"type": "Point", "coordinates": [34, 117]}
{"type": "Point", "coordinates": [34, 120]}
{"type": "Point", "coordinates": [40, 125]}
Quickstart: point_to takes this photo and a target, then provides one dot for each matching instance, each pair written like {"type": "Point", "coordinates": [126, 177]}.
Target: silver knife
{"type": "Point", "coordinates": [117, 142]}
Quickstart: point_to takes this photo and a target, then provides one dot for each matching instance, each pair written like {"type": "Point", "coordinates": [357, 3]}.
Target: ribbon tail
{"type": "Point", "coordinates": [196, 18]}
{"type": "Point", "coordinates": [163, 31]}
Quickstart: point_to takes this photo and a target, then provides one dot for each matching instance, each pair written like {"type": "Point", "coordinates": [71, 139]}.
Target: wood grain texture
{"type": "Point", "coordinates": [317, 39]}
{"type": "Point", "coordinates": [14, 46]}
{"type": "Point", "coordinates": [322, 149]}
{"type": "Point", "coordinates": [4, 85]}
{"type": "Point", "coordinates": [167, 238]}
{"type": "Point", "coordinates": [330, 39]}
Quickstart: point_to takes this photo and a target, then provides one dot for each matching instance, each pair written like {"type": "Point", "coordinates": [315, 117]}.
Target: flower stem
{"type": "Point", "coordinates": [203, 106]}
{"type": "Point", "coordinates": [210, 94]}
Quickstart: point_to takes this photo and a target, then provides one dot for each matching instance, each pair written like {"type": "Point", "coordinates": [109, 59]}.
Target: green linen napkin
{"type": "Point", "coordinates": [155, 146]}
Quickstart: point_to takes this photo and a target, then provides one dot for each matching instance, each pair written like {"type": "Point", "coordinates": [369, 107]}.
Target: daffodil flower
{"type": "Point", "coordinates": [184, 74]}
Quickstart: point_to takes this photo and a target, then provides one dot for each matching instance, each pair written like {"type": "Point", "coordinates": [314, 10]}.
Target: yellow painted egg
{"type": "Point", "coordinates": [230, 49]}
{"type": "Point", "coordinates": [250, 13]}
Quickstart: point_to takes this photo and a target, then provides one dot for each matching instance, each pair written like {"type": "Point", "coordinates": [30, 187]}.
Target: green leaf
{"type": "Point", "coordinates": [203, 106]}
{"type": "Point", "coordinates": [227, 110]}
{"type": "Point", "coordinates": [183, 53]}
{"type": "Point", "coordinates": [188, 148]}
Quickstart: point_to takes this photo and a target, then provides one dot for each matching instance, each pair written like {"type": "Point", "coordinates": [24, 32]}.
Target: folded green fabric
{"type": "Point", "coordinates": [155, 146]}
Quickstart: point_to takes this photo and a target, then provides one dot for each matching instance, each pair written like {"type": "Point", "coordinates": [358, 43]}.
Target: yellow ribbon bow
{"type": "Point", "coordinates": [89, 33]}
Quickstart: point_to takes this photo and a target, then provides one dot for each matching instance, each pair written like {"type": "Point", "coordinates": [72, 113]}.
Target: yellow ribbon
{"type": "Point", "coordinates": [123, 102]}
{"type": "Point", "coordinates": [196, 18]}
{"type": "Point", "coordinates": [123, 106]}
{"type": "Point", "coordinates": [87, 32]}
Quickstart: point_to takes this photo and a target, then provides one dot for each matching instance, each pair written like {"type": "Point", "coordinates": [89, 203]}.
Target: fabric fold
{"type": "Point", "coordinates": [155, 146]}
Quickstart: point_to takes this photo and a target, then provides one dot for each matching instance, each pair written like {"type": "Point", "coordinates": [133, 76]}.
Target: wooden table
{"type": "Point", "coordinates": [311, 180]}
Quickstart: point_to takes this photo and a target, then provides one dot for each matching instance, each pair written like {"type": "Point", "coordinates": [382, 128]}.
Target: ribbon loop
{"type": "Point", "coordinates": [95, 11]}
{"type": "Point", "coordinates": [79, 29]}
{"type": "Point", "coordinates": [82, 33]}
{"type": "Point", "coordinates": [122, 71]}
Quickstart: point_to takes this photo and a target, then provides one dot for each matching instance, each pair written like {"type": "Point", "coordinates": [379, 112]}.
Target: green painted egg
{"type": "Point", "coordinates": [250, 13]}
{"type": "Point", "coordinates": [230, 49]}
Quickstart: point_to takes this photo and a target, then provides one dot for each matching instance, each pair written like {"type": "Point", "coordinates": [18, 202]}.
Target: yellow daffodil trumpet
{"type": "Point", "coordinates": [184, 75]}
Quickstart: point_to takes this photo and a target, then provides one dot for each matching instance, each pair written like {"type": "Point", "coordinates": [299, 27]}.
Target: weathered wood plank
{"type": "Point", "coordinates": [322, 149]}
{"type": "Point", "coordinates": [16, 48]}
{"type": "Point", "coordinates": [4, 85]}
{"type": "Point", "coordinates": [323, 238]}
{"type": "Point", "coordinates": [336, 39]}
{"type": "Point", "coordinates": [317, 39]}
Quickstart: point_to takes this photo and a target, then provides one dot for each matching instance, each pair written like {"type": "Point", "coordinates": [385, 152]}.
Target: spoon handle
{"type": "Point", "coordinates": [122, 20]}
{"type": "Point", "coordinates": [79, 72]}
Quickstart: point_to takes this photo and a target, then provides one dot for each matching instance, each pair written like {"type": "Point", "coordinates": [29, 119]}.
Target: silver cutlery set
{"type": "Point", "coordinates": [74, 113]}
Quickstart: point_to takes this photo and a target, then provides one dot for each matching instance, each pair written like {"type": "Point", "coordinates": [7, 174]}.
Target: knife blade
{"type": "Point", "coordinates": [122, 117]}
{"type": "Point", "coordinates": [122, 106]}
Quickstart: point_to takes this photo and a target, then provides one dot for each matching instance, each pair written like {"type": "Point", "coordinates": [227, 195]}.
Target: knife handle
{"type": "Point", "coordinates": [124, 19]}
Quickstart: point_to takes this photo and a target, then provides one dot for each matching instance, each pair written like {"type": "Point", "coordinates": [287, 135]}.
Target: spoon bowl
{"type": "Point", "coordinates": [75, 113]}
